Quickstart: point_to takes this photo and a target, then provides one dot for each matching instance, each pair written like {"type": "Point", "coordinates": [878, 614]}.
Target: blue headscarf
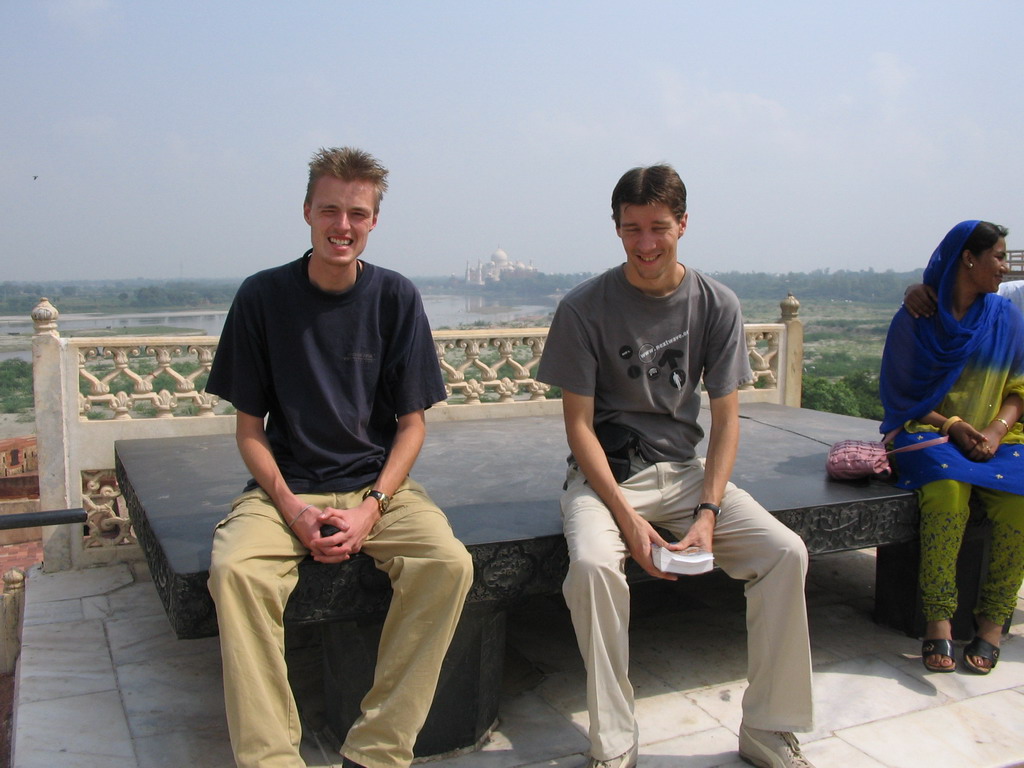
{"type": "Point", "coordinates": [923, 358]}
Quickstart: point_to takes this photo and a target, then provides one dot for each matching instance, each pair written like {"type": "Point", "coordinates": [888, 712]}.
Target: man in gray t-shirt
{"type": "Point", "coordinates": [631, 350]}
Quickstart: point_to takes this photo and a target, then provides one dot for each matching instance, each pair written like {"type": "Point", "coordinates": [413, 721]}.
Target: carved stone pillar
{"type": "Point", "coordinates": [53, 411]}
{"type": "Point", "coordinates": [791, 369]}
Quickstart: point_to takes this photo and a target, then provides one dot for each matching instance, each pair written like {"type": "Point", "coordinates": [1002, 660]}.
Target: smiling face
{"type": "Point", "coordinates": [650, 236]}
{"type": "Point", "coordinates": [340, 215]}
{"type": "Point", "coordinates": [985, 270]}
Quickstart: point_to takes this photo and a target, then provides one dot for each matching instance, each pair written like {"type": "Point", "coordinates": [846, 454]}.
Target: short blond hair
{"type": "Point", "coordinates": [347, 164]}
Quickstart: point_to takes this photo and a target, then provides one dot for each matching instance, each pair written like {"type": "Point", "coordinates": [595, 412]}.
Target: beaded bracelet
{"type": "Point", "coordinates": [301, 512]}
{"type": "Point", "coordinates": [949, 423]}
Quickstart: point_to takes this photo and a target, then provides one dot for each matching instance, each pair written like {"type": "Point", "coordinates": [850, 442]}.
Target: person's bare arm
{"type": "Point", "coordinates": [578, 413]}
{"type": "Point", "coordinates": [723, 443]}
{"type": "Point", "coordinates": [354, 524]}
{"type": "Point", "coordinates": [253, 445]}
{"type": "Point", "coordinates": [920, 300]}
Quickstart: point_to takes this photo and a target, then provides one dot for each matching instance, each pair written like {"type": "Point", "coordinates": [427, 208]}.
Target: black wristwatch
{"type": "Point", "coordinates": [707, 505]}
{"type": "Point", "coordinates": [382, 499]}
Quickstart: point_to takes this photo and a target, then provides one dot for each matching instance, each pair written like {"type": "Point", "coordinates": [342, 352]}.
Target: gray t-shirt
{"type": "Point", "coordinates": [642, 358]}
{"type": "Point", "coordinates": [1014, 291]}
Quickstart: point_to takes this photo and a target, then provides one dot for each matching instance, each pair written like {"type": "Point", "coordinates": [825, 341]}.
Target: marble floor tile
{"type": "Point", "coordinates": [863, 690]}
{"type": "Point", "coordinates": [721, 702]}
{"type": "Point", "coordinates": [669, 715]}
{"type": "Point", "coordinates": [150, 638]}
{"type": "Point", "coordinates": [129, 602]}
{"type": "Point", "coordinates": [705, 749]}
{"type": "Point", "coordinates": [844, 632]}
{"type": "Point", "coordinates": [183, 693]}
{"type": "Point", "coordinates": [566, 693]}
{"type": "Point", "coordinates": [692, 649]}
{"type": "Point", "coordinates": [66, 659]}
{"type": "Point", "coordinates": [65, 585]}
{"type": "Point", "coordinates": [984, 731]}
{"type": "Point", "coordinates": [52, 612]}
{"type": "Point", "coordinates": [529, 731]}
{"type": "Point", "coordinates": [194, 749]}
{"type": "Point", "coordinates": [826, 753]}
{"type": "Point", "coordinates": [84, 731]}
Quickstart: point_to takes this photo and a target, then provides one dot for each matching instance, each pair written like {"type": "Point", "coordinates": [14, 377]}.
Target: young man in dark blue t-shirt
{"type": "Point", "coordinates": [330, 364]}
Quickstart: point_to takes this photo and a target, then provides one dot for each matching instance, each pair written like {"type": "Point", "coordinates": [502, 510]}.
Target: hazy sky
{"type": "Point", "coordinates": [171, 138]}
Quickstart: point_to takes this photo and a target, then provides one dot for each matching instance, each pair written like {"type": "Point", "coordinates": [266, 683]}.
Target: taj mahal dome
{"type": "Point", "coordinates": [499, 265]}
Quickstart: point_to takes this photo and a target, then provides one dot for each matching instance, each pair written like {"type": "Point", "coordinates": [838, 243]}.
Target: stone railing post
{"type": "Point", "coordinates": [791, 367]}
{"type": "Point", "coordinates": [12, 611]}
{"type": "Point", "coordinates": [56, 405]}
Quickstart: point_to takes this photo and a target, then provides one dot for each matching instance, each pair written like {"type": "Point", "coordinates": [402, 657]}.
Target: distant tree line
{"type": "Point", "coordinates": [843, 285]}
{"type": "Point", "coordinates": [17, 298]}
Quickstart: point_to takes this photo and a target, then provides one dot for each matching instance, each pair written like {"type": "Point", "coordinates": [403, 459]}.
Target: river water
{"type": "Point", "coordinates": [442, 311]}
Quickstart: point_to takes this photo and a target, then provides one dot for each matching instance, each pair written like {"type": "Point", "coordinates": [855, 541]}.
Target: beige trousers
{"type": "Point", "coordinates": [254, 570]}
{"type": "Point", "coordinates": [749, 544]}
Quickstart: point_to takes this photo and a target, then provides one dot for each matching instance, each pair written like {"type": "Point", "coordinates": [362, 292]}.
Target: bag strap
{"type": "Point", "coordinates": [913, 446]}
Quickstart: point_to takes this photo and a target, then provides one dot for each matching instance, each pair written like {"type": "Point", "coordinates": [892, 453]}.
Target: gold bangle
{"type": "Point", "coordinates": [949, 423]}
{"type": "Point", "coordinates": [1003, 422]}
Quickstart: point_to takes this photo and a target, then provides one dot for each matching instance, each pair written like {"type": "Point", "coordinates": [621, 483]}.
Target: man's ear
{"type": "Point", "coordinates": [306, 209]}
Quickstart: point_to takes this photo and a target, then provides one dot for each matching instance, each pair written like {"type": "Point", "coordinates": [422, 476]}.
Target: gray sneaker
{"type": "Point", "coordinates": [625, 760]}
{"type": "Point", "coordinates": [771, 749]}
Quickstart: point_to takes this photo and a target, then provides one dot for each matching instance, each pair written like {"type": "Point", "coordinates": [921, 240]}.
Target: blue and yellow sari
{"type": "Point", "coordinates": [962, 368]}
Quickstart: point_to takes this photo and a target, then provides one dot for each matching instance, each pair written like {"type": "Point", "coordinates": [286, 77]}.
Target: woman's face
{"type": "Point", "coordinates": [985, 270]}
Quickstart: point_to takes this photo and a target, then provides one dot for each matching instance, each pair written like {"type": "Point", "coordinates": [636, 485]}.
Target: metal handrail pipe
{"type": "Point", "coordinates": [43, 517]}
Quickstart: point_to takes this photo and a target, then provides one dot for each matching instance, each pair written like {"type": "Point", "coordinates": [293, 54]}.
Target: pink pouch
{"type": "Point", "coordinates": [856, 459]}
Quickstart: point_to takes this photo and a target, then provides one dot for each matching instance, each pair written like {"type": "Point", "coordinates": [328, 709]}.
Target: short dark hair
{"type": "Point", "coordinates": [647, 186]}
{"type": "Point", "coordinates": [985, 235]}
{"type": "Point", "coordinates": [347, 164]}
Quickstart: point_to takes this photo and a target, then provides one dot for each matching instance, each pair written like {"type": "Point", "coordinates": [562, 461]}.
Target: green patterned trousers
{"type": "Point", "coordinates": [944, 514]}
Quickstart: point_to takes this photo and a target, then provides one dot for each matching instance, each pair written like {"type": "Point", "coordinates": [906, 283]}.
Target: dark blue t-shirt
{"type": "Point", "coordinates": [333, 371]}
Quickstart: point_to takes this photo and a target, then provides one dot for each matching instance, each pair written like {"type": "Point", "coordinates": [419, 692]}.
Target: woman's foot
{"type": "Point", "coordinates": [937, 649]}
{"type": "Point", "coordinates": [982, 653]}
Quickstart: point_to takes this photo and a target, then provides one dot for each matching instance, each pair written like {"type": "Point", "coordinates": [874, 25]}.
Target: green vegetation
{"type": "Point", "coordinates": [843, 286]}
{"type": "Point", "coordinates": [853, 395]}
{"type": "Point", "coordinates": [16, 386]}
{"type": "Point", "coordinates": [118, 295]}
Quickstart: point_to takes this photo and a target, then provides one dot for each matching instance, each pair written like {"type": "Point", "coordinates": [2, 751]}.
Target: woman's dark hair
{"type": "Point", "coordinates": [984, 236]}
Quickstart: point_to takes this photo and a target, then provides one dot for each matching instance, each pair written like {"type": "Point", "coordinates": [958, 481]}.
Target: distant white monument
{"type": "Point", "coordinates": [498, 267]}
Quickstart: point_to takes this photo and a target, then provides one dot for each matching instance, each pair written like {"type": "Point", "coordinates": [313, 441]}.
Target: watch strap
{"type": "Point", "coordinates": [382, 499]}
{"type": "Point", "coordinates": [707, 505]}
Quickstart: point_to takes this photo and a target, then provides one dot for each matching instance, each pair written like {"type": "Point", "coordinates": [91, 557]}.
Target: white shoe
{"type": "Point", "coordinates": [625, 760]}
{"type": "Point", "coordinates": [771, 749]}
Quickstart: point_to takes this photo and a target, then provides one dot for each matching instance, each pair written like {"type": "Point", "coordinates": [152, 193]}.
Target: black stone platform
{"type": "Point", "coordinates": [499, 482]}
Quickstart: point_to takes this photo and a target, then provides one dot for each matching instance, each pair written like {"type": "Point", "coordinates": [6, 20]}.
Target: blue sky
{"type": "Point", "coordinates": [171, 138]}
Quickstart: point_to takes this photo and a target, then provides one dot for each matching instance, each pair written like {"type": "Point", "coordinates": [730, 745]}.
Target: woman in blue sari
{"type": "Point", "coordinates": [960, 373]}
